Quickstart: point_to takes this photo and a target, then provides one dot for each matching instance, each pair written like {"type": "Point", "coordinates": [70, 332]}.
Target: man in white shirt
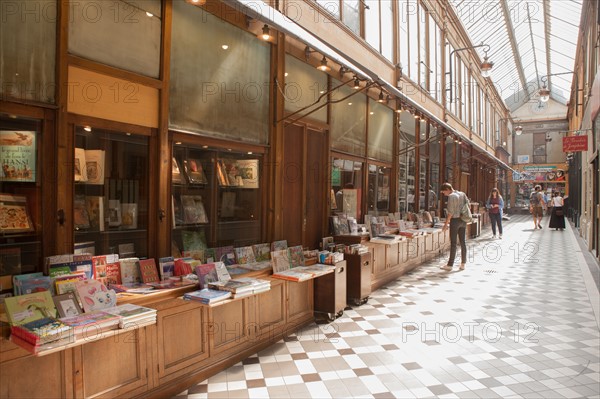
{"type": "Point", "coordinates": [458, 228]}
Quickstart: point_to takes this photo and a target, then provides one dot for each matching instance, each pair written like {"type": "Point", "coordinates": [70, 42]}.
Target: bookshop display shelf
{"type": "Point", "coordinates": [358, 278]}
{"type": "Point", "coordinates": [391, 260]}
{"type": "Point", "coordinates": [188, 343]}
{"type": "Point", "coordinates": [330, 293]}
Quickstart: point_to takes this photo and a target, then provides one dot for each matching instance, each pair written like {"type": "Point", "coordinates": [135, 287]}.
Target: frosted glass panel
{"type": "Point", "coordinates": [28, 50]}
{"type": "Point", "coordinates": [381, 122]}
{"type": "Point", "coordinates": [219, 78]}
{"type": "Point", "coordinates": [117, 33]}
{"type": "Point", "coordinates": [348, 120]}
{"type": "Point", "coordinates": [304, 85]}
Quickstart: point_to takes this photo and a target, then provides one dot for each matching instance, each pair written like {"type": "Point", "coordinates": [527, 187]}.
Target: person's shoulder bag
{"type": "Point", "coordinates": [465, 210]}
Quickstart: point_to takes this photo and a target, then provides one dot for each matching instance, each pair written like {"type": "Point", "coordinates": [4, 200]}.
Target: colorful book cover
{"type": "Point", "coordinates": [193, 209]}
{"type": "Point", "coordinates": [14, 217]}
{"type": "Point", "coordinates": [18, 155]}
{"type": "Point", "coordinates": [207, 295]}
{"type": "Point", "coordinates": [94, 165]}
{"type": "Point", "coordinates": [279, 245]}
{"type": "Point", "coordinates": [193, 240]}
{"type": "Point", "coordinates": [81, 218]}
{"type": "Point", "coordinates": [211, 273]}
{"type": "Point", "coordinates": [99, 266]}
{"type": "Point", "coordinates": [210, 255]}
{"type": "Point", "coordinates": [176, 172]}
{"type": "Point", "coordinates": [280, 260]}
{"type": "Point", "coordinates": [67, 304]}
{"type": "Point", "coordinates": [148, 271]}
{"type": "Point", "coordinates": [130, 270]}
{"type": "Point", "coordinates": [292, 275]}
{"type": "Point", "coordinates": [248, 170]}
{"type": "Point", "coordinates": [194, 171]}
{"type": "Point", "coordinates": [166, 267]}
{"type": "Point", "coordinates": [18, 279]}
{"type": "Point", "coordinates": [113, 273]}
{"type": "Point", "coordinates": [41, 331]}
{"type": "Point", "coordinates": [183, 267]}
{"type": "Point", "coordinates": [95, 296]}
{"type": "Point", "coordinates": [91, 321]}
{"type": "Point", "coordinates": [25, 308]}
{"type": "Point", "coordinates": [262, 252]}
{"type": "Point", "coordinates": [232, 285]}
{"type": "Point", "coordinates": [296, 256]}
{"type": "Point", "coordinates": [225, 255]}
{"type": "Point", "coordinates": [244, 255]}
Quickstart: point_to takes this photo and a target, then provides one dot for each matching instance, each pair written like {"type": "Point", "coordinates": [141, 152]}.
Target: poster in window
{"type": "Point", "coordinates": [18, 155]}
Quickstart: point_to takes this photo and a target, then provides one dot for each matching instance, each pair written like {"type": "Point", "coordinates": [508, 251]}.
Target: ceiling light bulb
{"type": "Point", "coordinates": [87, 128]}
{"type": "Point", "coordinates": [486, 67]}
{"type": "Point", "coordinates": [356, 83]}
{"type": "Point", "coordinates": [149, 14]}
{"type": "Point", "coordinates": [518, 130]}
{"type": "Point", "coordinates": [380, 99]}
{"type": "Point", "coordinates": [224, 47]}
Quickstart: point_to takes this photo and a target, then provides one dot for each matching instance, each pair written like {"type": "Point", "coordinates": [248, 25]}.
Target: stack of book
{"type": "Point", "coordinates": [131, 315]}
{"type": "Point", "coordinates": [88, 325]}
{"type": "Point", "coordinates": [243, 286]}
{"type": "Point", "coordinates": [41, 331]}
{"type": "Point", "coordinates": [293, 275]}
{"type": "Point", "coordinates": [207, 296]}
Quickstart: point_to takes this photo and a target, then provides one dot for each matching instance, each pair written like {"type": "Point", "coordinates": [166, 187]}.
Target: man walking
{"type": "Point", "coordinates": [537, 206]}
{"type": "Point", "coordinates": [456, 201]}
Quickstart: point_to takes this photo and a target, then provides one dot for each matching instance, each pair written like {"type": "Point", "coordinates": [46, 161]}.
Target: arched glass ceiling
{"type": "Point", "coordinates": [528, 40]}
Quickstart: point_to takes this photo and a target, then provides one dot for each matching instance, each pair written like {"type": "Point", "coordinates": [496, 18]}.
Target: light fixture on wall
{"type": "Point", "coordinates": [518, 130]}
{"type": "Point", "coordinates": [485, 67]}
{"type": "Point", "coordinates": [356, 83]}
{"type": "Point", "coordinates": [322, 65]}
{"type": "Point", "coordinates": [343, 71]}
{"type": "Point", "coordinates": [381, 98]}
{"type": "Point", "coordinates": [266, 33]}
{"type": "Point", "coordinates": [544, 92]}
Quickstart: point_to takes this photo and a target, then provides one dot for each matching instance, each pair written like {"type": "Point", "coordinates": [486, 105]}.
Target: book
{"type": "Point", "coordinates": [41, 331]}
{"type": "Point", "coordinates": [95, 296]}
{"type": "Point", "coordinates": [36, 284]}
{"type": "Point", "coordinates": [130, 313]}
{"type": "Point", "coordinates": [166, 267]}
{"type": "Point", "coordinates": [114, 213]}
{"type": "Point", "coordinates": [292, 275]}
{"type": "Point", "coordinates": [244, 255]}
{"type": "Point", "coordinates": [80, 166]}
{"type": "Point", "coordinates": [248, 170]}
{"type": "Point", "coordinates": [256, 265]}
{"type": "Point", "coordinates": [10, 261]}
{"type": "Point", "coordinates": [89, 324]}
{"type": "Point", "coordinates": [25, 308]}
{"type": "Point", "coordinates": [183, 267]}
{"type": "Point", "coordinates": [194, 171]}
{"type": "Point", "coordinates": [211, 273]}
{"type": "Point", "coordinates": [207, 296]}
{"type": "Point", "coordinates": [221, 173]}
{"type": "Point", "coordinates": [129, 215]}
{"type": "Point", "coordinates": [262, 252]}
{"type": "Point", "coordinates": [228, 204]}
{"type": "Point", "coordinates": [99, 267]}
{"type": "Point", "coordinates": [176, 172]}
{"type": "Point", "coordinates": [87, 247]}
{"type": "Point", "coordinates": [18, 155]}
{"type": "Point", "coordinates": [66, 283]}
{"type": "Point", "coordinates": [296, 256]}
{"type": "Point", "coordinates": [148, 271]}
{"type": "Point", "coordinates": [130, 270]}
{"type": "Point", "coordinates": [126, 250]}
{"type": "Point", "coordinates": [176, 211]}
{"type": "Point", "coordinates": [67, 304]}
{"type": "Point", "coordinates": [14, 216]}
{"type": "Point", "coordinates": [235, 286]}
{"type": "Point", "coordinates": [279, 245]}
{"type": "Point", "coordinates": [280, 260]}
{"type": "Point", "coordinates": [95, 210]}
{"type": "Point", "coordinates": [18, 279]}
{"type": "Point", "coordinates": [193, 209]}
{"type": "Point", "coordinates": [113, 273]}
{"type": "Point", "coordinates": [94, 165]}
{"type": "Point", "coordinates": [193, 240]}
{"type": "Point", "coordinates": [225, 254]}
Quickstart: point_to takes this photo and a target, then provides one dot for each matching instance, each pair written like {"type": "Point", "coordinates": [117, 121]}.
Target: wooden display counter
{"type": "Point", "coordinates": [330, 293]}
{"type": "Point", "coordinates": [189, 343]}
{"type": "Point", "coordinates": [358, 278]}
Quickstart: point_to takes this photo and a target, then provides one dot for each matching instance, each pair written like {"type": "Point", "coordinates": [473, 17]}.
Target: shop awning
{"type": "Point", "coordinates": [267, 14]}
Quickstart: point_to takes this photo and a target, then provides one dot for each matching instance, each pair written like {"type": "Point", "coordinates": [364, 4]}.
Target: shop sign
{"type": "Point", "coordinates": [540, 174]}
{"type": "Point", "coordinates": [575, 143]}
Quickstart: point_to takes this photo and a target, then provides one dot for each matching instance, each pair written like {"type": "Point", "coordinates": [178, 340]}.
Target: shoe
{"type": "Point", "coordinates": [462, 266]}
{"type": "Point", "coordinates": [447, 268]}
{"type": "Point", "coordinates": [494, 236]}
{"type": "Point", "coordinates": [500, 237]}
{"type": "Point", "coordinates": [539, 226]}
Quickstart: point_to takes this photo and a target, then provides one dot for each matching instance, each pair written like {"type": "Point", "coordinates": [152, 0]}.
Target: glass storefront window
{"type": "Point", "coordinates": [348, 124]}
{"type": "Point", "coordinates": [219, 78]}
{"type": "Point", "coordinates": [406, 163]}
{"type": "Point", "coordinates": [347, 187]}
{"type": "Point", "coordinates": [381, 130]}
{"type": "Point", "coordinates": [378, 196]}
{"type": "Point", "coordinates": [304, 85]}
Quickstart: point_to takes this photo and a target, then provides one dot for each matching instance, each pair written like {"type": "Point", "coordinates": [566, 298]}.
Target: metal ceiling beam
{"type": "Point", "coordinates": [547, 30]}
{"type": "Point", "coordinates": [515, 48]}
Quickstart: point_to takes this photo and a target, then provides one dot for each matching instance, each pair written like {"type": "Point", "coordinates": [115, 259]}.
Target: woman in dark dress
{"type": "Point", "coordinates": [557, 218]}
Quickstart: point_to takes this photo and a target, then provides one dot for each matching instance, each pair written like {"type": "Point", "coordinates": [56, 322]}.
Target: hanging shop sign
{"type": "Point", "coordinates": [575, 143]}
{"type": "Point", "coordinates": [546, 173]}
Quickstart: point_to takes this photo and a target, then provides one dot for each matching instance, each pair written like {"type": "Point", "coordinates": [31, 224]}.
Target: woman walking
{"type": "Point", "coordinates": [495, 204]}
{"type": "Point", "coordinates": [557, 217]}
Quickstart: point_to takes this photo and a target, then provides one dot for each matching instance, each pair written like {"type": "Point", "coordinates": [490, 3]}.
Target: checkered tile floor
{"type": "Point", "coordinates": [519, 322]}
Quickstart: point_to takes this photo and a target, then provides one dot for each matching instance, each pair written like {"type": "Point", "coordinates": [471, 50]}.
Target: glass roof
{"type": "Point", "coordinates": [528, 40]}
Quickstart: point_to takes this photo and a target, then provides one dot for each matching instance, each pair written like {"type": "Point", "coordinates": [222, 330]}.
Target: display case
{"type": "Point", "coordinates": [216, 198]}
{"type": "Point", "coordinates": [111, 192]}
{"type": "Point", "coordinates": [20, 195]}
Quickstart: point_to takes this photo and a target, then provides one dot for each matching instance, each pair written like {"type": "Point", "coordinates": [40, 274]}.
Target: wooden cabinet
{"type": "Point", "coordinates": [271, 310]}
{"type": "Point", "coordinates": [391, 255]}
{"type": "Point", "coordinates": [378, 257]}
{"type": "Point", "coordinates": [230, 325]}
{"type": "Point", "coordinates": [299, 300]}
{"type": "Point", "coordinates": [180, 322]}
{"type": "Point", "coordinates": [358, 278]}
{"type": "Point", "coordinates": [330, 292]}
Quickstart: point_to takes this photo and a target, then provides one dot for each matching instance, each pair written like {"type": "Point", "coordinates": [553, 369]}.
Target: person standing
{"type": "Point", "coordinates": [557, 217]}
{"type": "Point", "coordinates": [537, 206]}
{"type": "Point", "coordinates": [456, 200]}
{"type": "Point", "coordinates": [495, 204]}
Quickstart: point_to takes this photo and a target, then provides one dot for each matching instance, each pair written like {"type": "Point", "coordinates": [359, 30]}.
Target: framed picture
{"type": "Point", "coordinates": [67, 304]}
{"type": "Point", "coordinates": [18, 155]}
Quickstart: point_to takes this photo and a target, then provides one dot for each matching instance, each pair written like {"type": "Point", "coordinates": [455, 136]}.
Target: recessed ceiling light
{"type": "Point", "coordinates": [349, 103]}
{"type": "Point", "coordinates": [225, 47]}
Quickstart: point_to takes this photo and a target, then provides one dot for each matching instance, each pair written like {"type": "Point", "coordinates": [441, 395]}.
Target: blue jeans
{"type": "Point", "coordinates": [496, 220]}
{"type": "Point", "coordinates": [458, 230]}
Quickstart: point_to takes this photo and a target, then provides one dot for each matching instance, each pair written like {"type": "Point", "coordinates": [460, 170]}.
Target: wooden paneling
{"type": "Point", "coordinates": [271, 308]}
{"type": "Point", "coordinates": [299, 300]}
{"type": "Point", "coordinates": [316, 172]}
{"type": "Point", "coordinates": [111, 98]}
{"type": "Point", "coordinates": [31, 377]}
{"type": "Point", "coordinates": [230, 324]}
{"type": "Point", "coordinates": [378, 257]}
{"type": "Point", "coordinates": [114, 366]}
{"type": "Point", "coordinates": [174, 358]}
{"type": "Point", "coordinates": [293, 175]}
{"type": "Point", "coordinates": [391, 255]}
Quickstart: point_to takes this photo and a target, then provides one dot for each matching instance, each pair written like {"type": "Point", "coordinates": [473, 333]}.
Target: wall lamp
{"type": "Point", "coordinates": [486, 65]}
{"type": "Point", "coordinates": [544, 92]}
{"type": "Point", "coordinates": [266, 33]}
{"type": "Point", "coordinates": [322, 65]}
{"type": "Point", "coordinates": [519, 130]}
